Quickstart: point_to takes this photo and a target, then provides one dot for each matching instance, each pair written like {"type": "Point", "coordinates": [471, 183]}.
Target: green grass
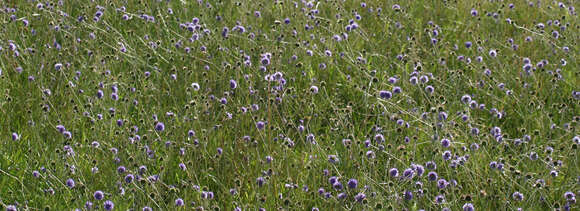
{"type": "Point", "coordinates": [347, 106]}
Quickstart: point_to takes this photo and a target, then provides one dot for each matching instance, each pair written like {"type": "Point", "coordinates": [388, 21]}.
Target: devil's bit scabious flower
{"type": "Point", "coordinates": [108, 205]}
{"type": "Point", "coordinates": [352, 183]}
{"type": "Point", "coordinates": [99, 195]}
{"type": "Point", "coordinates": [159, 126]}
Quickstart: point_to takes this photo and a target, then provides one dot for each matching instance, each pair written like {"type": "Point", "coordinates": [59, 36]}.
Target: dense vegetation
{"type": "Point", "coordinates": [289, 105]}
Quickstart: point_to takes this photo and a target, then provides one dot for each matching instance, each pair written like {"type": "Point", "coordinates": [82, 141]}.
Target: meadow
{"type": "Point", "coordinates": [289, 105]}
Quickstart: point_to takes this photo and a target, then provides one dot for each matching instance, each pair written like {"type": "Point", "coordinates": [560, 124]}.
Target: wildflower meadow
{"type": "Point", "coordinates": [289, 105]}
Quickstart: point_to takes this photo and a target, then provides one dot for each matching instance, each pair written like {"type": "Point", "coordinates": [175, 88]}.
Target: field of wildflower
{"type": "Point", "coordinates": [289, 105]}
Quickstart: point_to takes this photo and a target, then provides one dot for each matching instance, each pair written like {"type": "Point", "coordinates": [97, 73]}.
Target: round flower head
{"type": "Point", "coordinates": [108, 205]}
{"type": "Point", "coordinates": [337, 185]}
{"type": "Point", "coordinates": [446, 155]}
{"type": "Point", "coordinates": [352, 183]}
{"type": "Point", "coordinates": [195, 86]}
{"type": "Point", "coordinates": [233, 84]}
{"type": "Point", "coordinates": [99, 195]}
{"type": "Point", "coordinates": [360, 197]}
{"type": "Point", "coordinates": [70, 183]}
{"type": "Point", "coordinates": [408, 195]}
{"type": "Point", "coordinates": [468, 207]}
{"type": "Point", "coordinates": [445, 142]}
{"type": "Point", "coordinates": [397, 90]}
{"type": "Point", "coordinates": [15, 136]}
{"type": "Point", "coordinates": [179, 202]}
{"type": "Point", "coordinates": [518, 196]}
{"type": "Point", "coordinates": [260, 181]}
{"type": "Point", "coordinates": [159, 126]}
{"type": "Point", "coordinates": [432, 176]}
{"type": "Point", "coordinates": [429, 89]}
{"type": "Point", "coordinates": [11, 208]}
{"type": "Point", "coordinates": [129, 178]}
{"type": "Point", "coordinates": [260, 125]}
{"type": "Point", "coordinates": [341, 196]}
{"type": "Point", "coordinates": [67, 134]}
{"type": "Point", "coordinates": [465, 99]}
{"type": "Point", "coordinates": [147, 209]}
{"type": "Point", "coordinates": [468, 44]}
{"type": "Point", "coordinates": [120, 169]}
{"type": "Point", "coordinates": [569, 195]}
{"type": "Point", "coordinates": [493, 53]}
{"type": "Point", "coordinates": [332, 180]}
{"type": "Point", "coordinates": [431, 165]}
{"type": "Point", "coordinates": [413, 80]}
{"type": "Point", "coordinates": [385, 94]}
{"type": "Point", "coordinates": [408, 173]}
{"type": "Point", "coordinates": [473, 12]}
{"type": "Point", "coordinates": [314, 89]}
{"type": "Point", "coordinates": [393, 172]}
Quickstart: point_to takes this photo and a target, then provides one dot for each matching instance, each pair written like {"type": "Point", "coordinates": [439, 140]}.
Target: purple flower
{"type": "Point", "coordinates": [432, 176]}
{"type": "Point", "coordinates": [429, 89]}
{"type": "Point", "coordinates": [333, 159]}
{"type": "Point", "coordinates": [447, 155]}
{"type": "Point", "coordinates": [468, 44]}
{"type": "Point", "coordinates": [445, 142]}
{"type": "Point", "coordinates": [393, 172]}
{"type": "Point", "coordinates": [569, 196]}
{"type": "Point", "coordinates": [120, 169]}
{"type": "Point", "coordinates": [332, 180]}
{"type": "Point", "coordinates": [314, 89]}
{"type": "Point", "coordinates": [442, 183]}
{"type": "Point", "coordinates": [518, 196]}
{"type": "Point", "coordinates": [159, 126]}
{"type": "Point", "coordinates": [233, 84]}
{"type": "Point", "coordinates": [431, 165]}
{"type": "Point", "coordinates": [15, 136]}
{"type": "Point", "coordinates": [260, 125]}
{"type": "Point", "coordinates": [408, 173]}
{"type": "Point", "coordinates": [337, 185]}
{"type": "Point", "coordinates": [11, 208]}
{"type": "Point", "coordinates": [195, 86]}
{"type": "Point", "coordinates": [70, 183]}
{"type": "Point", "coordinates": [360, 197]}
{"type": "Point", "coordinates": [265, 61]}
{"type": "Point", "coordinates": [36, 174]}
{"type": "Point", "coordinates": [179, 202]}
{"type": "Point", "coordinates": [129, 178]}
{"type": "Point", "coordinates": [67, 134]}
{"type": "Point", "coordinates": [465, 99]}
{"type": "Point", "coordinates": [473, 12]}
{"type": "Point", "coordinates": [468, 207]}
{"type": "Point", "coordinates": [439, 199]}
{"type": "Point", "coordinates": [260, 181]}
{"type": "Point", "coordinates": [385, 94]}
{"type": "Point", "coordinates": [99, 195]}
{"type": "Point", "coordinates": [352, 183]}
{"type": "Point", "coordinates": [408, 195]}
{"type": "Point", "coordinates": [108, 205]}
{"type": "Point", "coordinates": [397, 90]}
{"type": "Point", "coordinates": [493, 53]}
